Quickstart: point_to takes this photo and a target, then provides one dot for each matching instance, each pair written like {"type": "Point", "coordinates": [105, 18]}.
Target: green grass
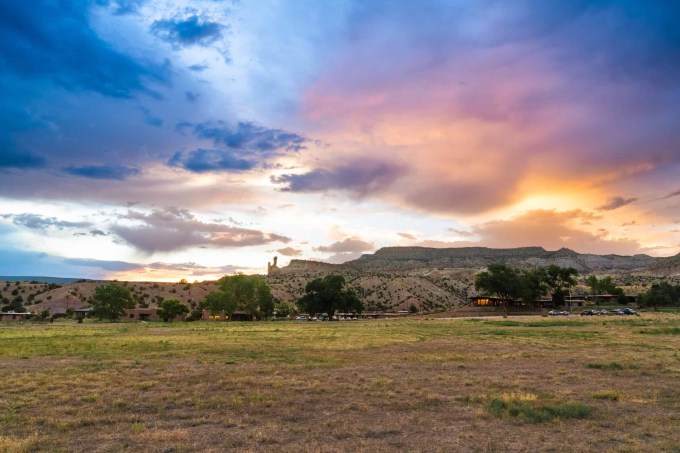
{"type": "Point", "coordinates": [612, 395]}
{"type": "Point", "coordinates": [535, 411]}
{"type": "Point", "coordinates": [606, 366]}
{"type": "Point", "coordinates": [662, 331]}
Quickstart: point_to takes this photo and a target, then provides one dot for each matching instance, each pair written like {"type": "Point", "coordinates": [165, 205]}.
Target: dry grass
{"type": "Point", "coordinates": [411, 385]}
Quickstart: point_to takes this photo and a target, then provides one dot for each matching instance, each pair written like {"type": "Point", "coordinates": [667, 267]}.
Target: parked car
{"type": "Point", "coordinates": [629, 311]}
{"type": "Point", "coordinates": [588, 312]}
{"type": "Point", "coordinates": [558, 313]}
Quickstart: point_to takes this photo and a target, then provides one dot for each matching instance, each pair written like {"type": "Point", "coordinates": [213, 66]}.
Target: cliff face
{"type": "Point", "coordinates": [409, 258]}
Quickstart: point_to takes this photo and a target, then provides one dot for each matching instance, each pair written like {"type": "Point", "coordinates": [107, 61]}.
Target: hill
{"type": "Point", "coordinates": [392, 278]}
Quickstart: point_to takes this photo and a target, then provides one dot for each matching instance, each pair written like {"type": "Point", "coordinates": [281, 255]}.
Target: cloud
{"type": "Point", "coordinates": [549, 229]}
{"type": "Point", "coordinates": [12, 157]}
{"type": "Point", "coordinates": [502, 85]}
{"type": "Point", "coordinates": [289, 251]}
{"type": "Point", "coordinates": [250, 138]}
{"type": "Point", "coordinates": [239, 148]}
{"type": "Point", "coordinates": [115, 266]}
{"type": "Point", "coordinates": [615, 203]}
{"type": "Point", "coordinates": [15, 159]}
{"type": "Point", "coordinates": [39, 222]}
{"type": "Point", "coordinates": [122, 7]}
{"type": "Point", "coordinates": [98, 233]}
{"type": "Point", "coordinates": [115, 172]}
{"type": "Point", "coordinates": [671, 195]}
{"type": "Point", "coordinates": [54, 41]}
{"type": "Point", "coordinates": [190, 31]}
{"type": "Point", "coordinates": [408, 236]}
{"type": "Point", "coordinates": [346, 245]}
{"type": "Point", "coordinates": [205, 160]}
{"type": "Point", "coordinates": [198, 67]}
{"type": "Point", "coordinates": [348, 249]}
{"type": "Point", "coordinates": [168, 229]}
{"type": "Point", "coordinates": [460, 232]}
{"type": "Point", "coordinates": [360, 177]}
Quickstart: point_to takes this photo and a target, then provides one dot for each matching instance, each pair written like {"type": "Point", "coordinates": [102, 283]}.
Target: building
{"type": "Point", "coordinates": [12, 316]}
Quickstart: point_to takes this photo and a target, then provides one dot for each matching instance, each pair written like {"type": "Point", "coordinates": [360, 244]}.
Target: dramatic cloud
{"type": "Point", "coordinates": [38, 222]}
{"type": "Point", "coordinates": [500, 119]}
{"type": "Point", "coordinates": [549, 229]}
{"type": "Point", "coordinates": [116, 172]}
{"type": "Point", "coordinates": [243, 147]}
{"type": "Point", "coordinates": [54, 41]}
{"type": "Point", "coordinates": [360, 178]}
{"type": "Point", "coordinates": [289, 251]}
{"type": "Point", "coordinates": [250, 138]}
{"type": "Point", "coordinates": [204, 160]}
{"type": "Point", "coordinates": [616, 202]}
{"type": "Point", "coordinates": [174, 229]}
{"type": "Point", "coordinates": [190, 31]}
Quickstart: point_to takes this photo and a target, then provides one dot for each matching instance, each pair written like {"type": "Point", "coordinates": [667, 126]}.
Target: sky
{"type": "Point", "coordinates": [160, 140]}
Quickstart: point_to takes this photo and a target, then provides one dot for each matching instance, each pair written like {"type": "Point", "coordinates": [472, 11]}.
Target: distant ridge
{"type": "Point", "coordinates": [57, 280]}
{"type": "Point", "coordinates": [405, 259]}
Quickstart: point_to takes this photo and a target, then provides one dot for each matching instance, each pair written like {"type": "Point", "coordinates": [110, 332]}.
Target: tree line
{"type": "Point", "coordinates": [529, 285]}
{"type": "Point", "coordinates": [249, 294]}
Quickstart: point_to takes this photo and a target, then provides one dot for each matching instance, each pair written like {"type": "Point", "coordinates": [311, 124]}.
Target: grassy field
{"type": "Point", "coordinates": [526, 384]}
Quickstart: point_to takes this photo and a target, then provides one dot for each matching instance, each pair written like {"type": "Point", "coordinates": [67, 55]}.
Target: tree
{"type": "Point", "coordinates": [217, 302]}
{"type": "Point", "coordinates": [249, 293]}
{"type": "Point", "coordinates": [660, 294]}
{"type": "Point", "coordinates": [559, 280]}
{"type": "Point", "coordinates": [110, 301]}
{"type": "Point", "coordinates": [500, 280]}
{"type": "Point", "coordinates": [284, 309]}
{"type": "Point", "coordinates": [328, 295]}
{"type": "Point", "coordinates": [532, 285]}
{"type": "Point", "coordinates": [169, 309]}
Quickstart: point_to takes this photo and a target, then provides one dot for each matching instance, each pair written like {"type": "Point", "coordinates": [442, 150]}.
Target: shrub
{"type": "Point", "coordinates": [611, 395]}
{"type": "Point", "coordinates": [606, 366]}
{"type": "Point", "coordinates": [532, 411]}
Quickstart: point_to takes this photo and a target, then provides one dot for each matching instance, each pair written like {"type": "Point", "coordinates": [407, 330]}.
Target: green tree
{"type": "Point", "coordinates": [169, 309]}
{"type": "Point", "coordinates": [532, 285]}
{"type": "Point", "coordinates": [660, 295]}
{"type": "Point", "coordinates": [218, 301]}
{"type": "Point", "coordinates": [249, 293]}
{"type": "Point", "coordinates": [284, 309]}
{"type": "Point", "coordinates": [605, 285]}
{"type": "Point", "coordinates": [327, 295]}
{"type": "Point", "coordinates": [559, 280]}
{"type": "Point", "coordinates": [110, 301]}
{"type": "Point", "coordinates": [501, 281]}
